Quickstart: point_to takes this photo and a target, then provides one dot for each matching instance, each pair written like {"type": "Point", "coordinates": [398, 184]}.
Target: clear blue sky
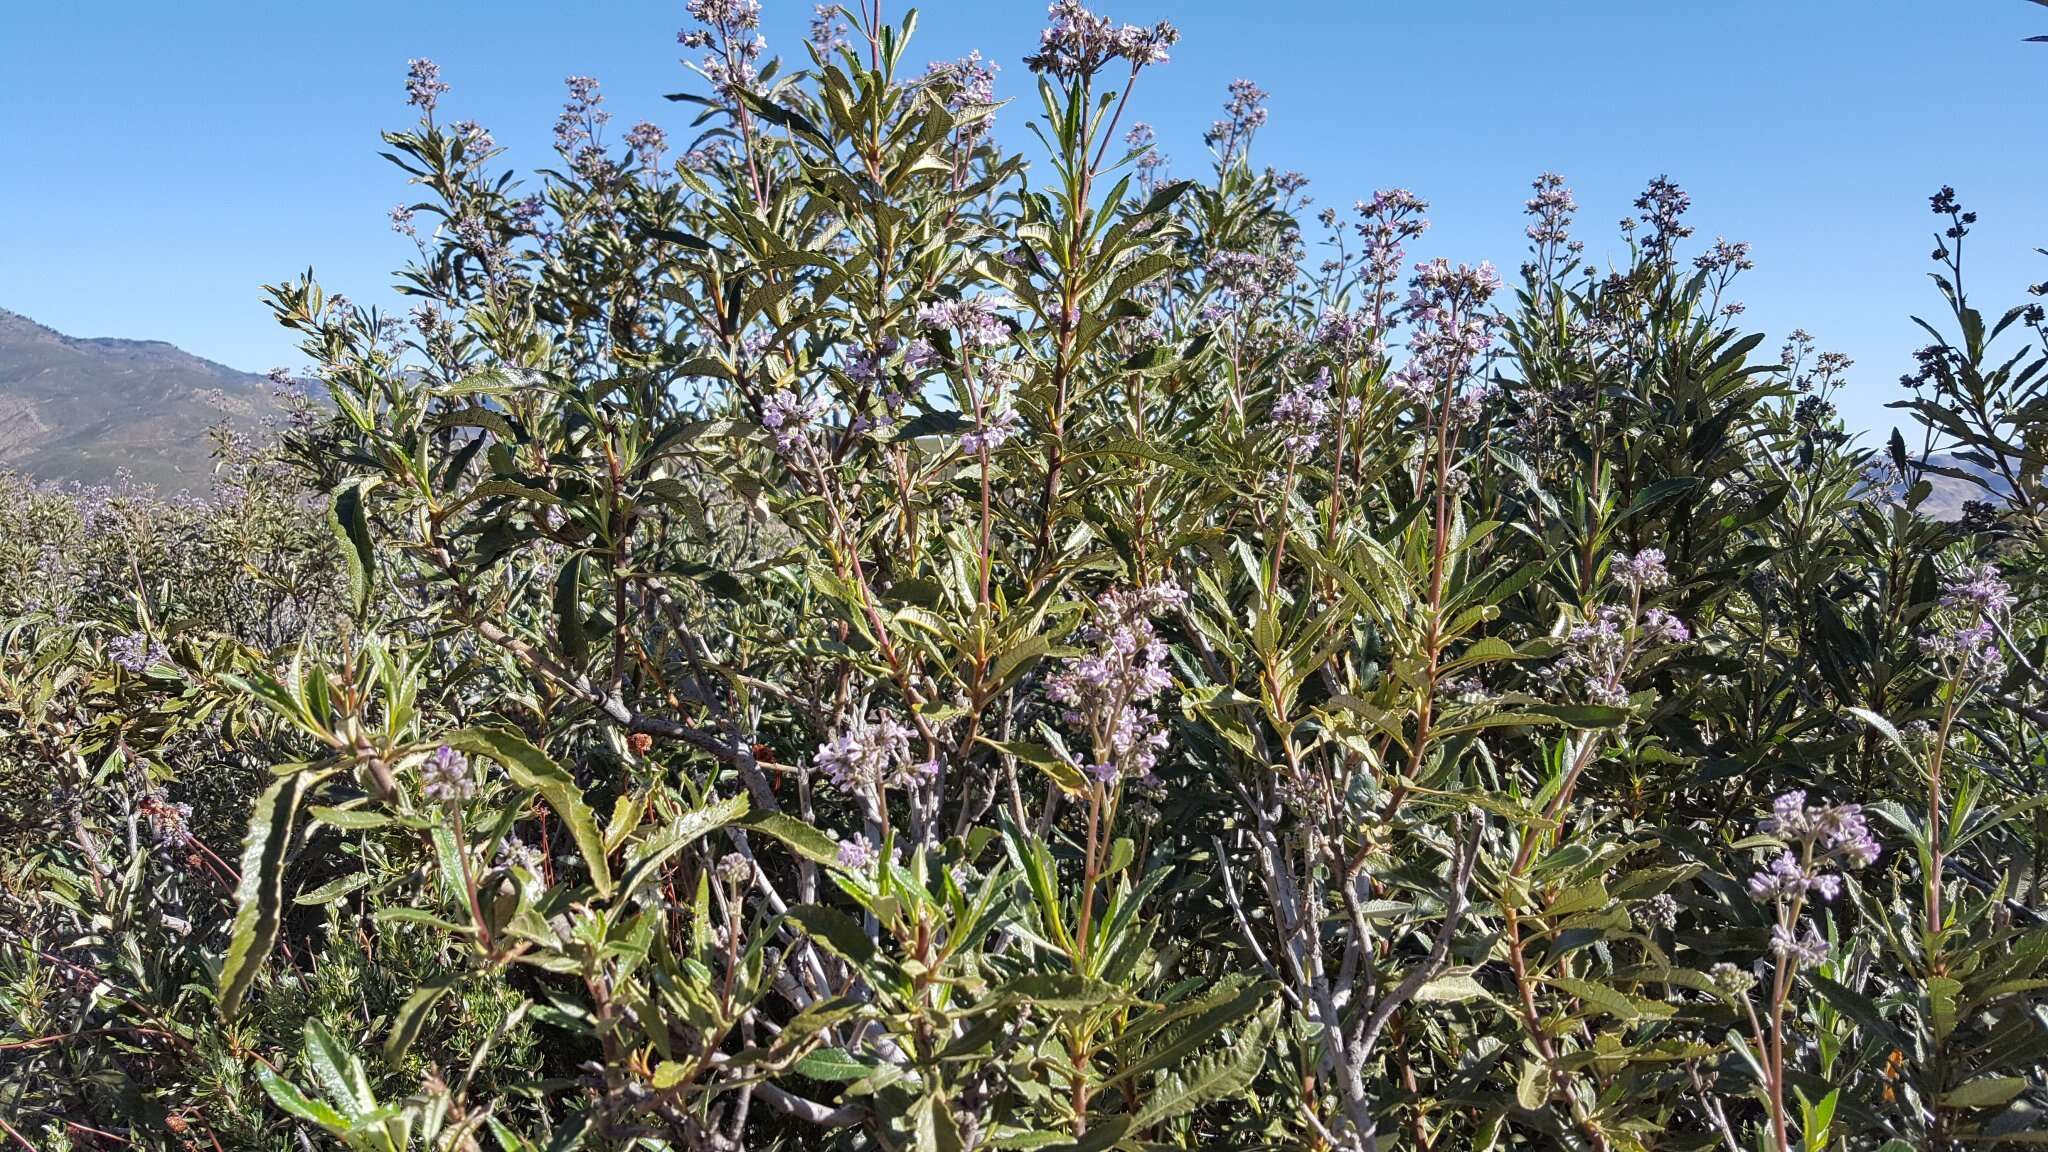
{"type": "Point", "coordinates": [164, 160]}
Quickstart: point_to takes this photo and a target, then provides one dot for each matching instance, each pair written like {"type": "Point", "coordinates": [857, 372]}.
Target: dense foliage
{"type": "Point", "coordinates": [845, 639]}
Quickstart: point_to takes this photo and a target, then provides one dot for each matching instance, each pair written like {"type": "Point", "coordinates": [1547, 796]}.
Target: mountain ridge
{"type": "Point", "coordinates": [89, 408]}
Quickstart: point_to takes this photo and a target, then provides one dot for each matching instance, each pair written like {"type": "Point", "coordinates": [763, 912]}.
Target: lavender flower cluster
{"type": "Point", "coordinates": [1820, 839]}
{"type": "Point", "coordinates": [1108, 693]}
{"type": "Point", "coordinates": [732, 63]}
{"type": "Point", "coordinates": [977, 319]}
{"type": "Point", "coordinates": [856, 855]}
{"type": "Point", "coordinates": [1386, 222]}
{"type": "Point", "coordinates": [1077, 42]}
{"type": "Point", "coordinates": [1303, 414]}
{"type": "Point", "coordinates": [1452, 329]}
{"type": "Point", "coordinates": [1601, 648]}
{"type": "Point", "coordinates": [1551, 211]}
{"type": "Point", "coordinates": [792, 419]}
{"type": "Point", "coordinates": [445, 777]}
{"type": "Point", "coordinates": [866, 758]}
{"type": "Point", "coordinates": [1641, 572]}
{"type": "Point", "coordinates": [136, 652]}
{"type": "Point", "coordinates": [423, 85]}
{"type": "Point", "coordinates": [1975, 602]}
{"type": "Point", "coordinates": [827, 31]}
{"type": "Point", "coordinates": [1243, 114]}
{"type": "Point", "coordinates": [971, 78]}
{"type": "Point", "coordinates": [1662, 206]}
{"type": "Point", "coordinates": [992, 433]}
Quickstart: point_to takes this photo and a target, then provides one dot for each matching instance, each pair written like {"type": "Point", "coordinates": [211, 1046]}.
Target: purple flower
{"type": "Point", "coordinates": [136, 652]}
{"type": "Point", "coordinates": [791, 419]}
{"type": "Point", "coordinates": [423, 86]}
{"type": "Point", "coordinates": [1978, 588]}
{"type": "Point", "coordinates": [1452, 327]}
{"type": "Point", "coordinates": [865, 366]}
{"type": "Point", "coordinates": [1642, 571]}
{"type": "Point", "coordinates": [735, 869]}
{"type": "Point", "coordinates": [975, 318]}
{"type": "Point", "coordinates": [1660, 911]}
{"type": "Point", "coordinates": [731, 65]}
{"type": "Point", "coordinates": [1303, 415]}
{"type": "Point", "coordinates": [1078, 43]}
{"type": "Point", "coordinates": [1598, 649]}
{"type": "Point", "coordinates": [920, 357]}
{"type": "Point", "coordinates": [970, 82]}
{"type": "Point", "coordinates": [1661, 205]}
{"type": "Point", "coordinates": [582, 115]}
{"type": "Point", "coordinates": [1725, 257]}
{"type": "Point", "coordinates": [1552, 209]}
{"type": "Point", "coordinates": [856, 855]}
{"type": "Point", "coordinates": [864, 758]}
{"type": "Point", "coordinates": [1390, 219]}
{"type": "Point", "coordinates": [992, 435]}
{"type": "Point", "coordinates": [1784, 877]}
{"type": "Point", "coordinates": [445, 777]}
{"type": "Point", "coordinates": [1108, 693]}
{"type": "Point", "coordinates": [648, 142]}
{"type": "Point", "coordinates": [1243, 114]}
{"type": "Point", "coordinates": [1971, 652]}
{"type": "Point", "coordinates": [1662, 627]}
{"type": "Point", "coordinates": [1805, 949]}
{"type": "Point", "coordinates": [827, 31]}
{"type": "Point", "coordinates": [401, 220]}
{"type": "Point", "coordinates": [1144, 146]}
{"type": "Point", "coordinates": [476, 139]}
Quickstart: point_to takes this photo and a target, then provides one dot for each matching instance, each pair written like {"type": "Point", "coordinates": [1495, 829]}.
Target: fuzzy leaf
{"type": "Point", "coordinates": [259, 898]}
{"type": "Point", "coordinates": [533, 770]}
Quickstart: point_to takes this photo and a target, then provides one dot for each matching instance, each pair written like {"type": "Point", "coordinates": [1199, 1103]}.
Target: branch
{"type": "Point", "coordinates": [1454, 911]}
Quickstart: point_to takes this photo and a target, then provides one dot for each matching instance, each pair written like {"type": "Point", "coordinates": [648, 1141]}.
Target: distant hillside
{"type": "Point", "coordinates": [1946, 501]}
{"type": "Point", "coordinates": [81, 409]}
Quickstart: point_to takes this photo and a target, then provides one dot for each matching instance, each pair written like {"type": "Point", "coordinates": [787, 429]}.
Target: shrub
{"type": "Point", "coordinates": [843, 639]}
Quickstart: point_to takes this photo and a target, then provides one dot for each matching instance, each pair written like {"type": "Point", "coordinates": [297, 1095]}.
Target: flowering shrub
{"type": "Point", "coordinates": [820, 635]}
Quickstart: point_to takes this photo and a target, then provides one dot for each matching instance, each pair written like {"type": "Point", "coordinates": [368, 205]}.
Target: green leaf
{"type": "Point", "coordinates": [1658, 493]}
{"type": "Point", "coordinates": [333, 890]}
{"type": "Point", "coordinates": [1532, 1087]}
{"type": "Point", "coordinates": [296, 1103]}
{"type": "Point", "coordinates": [531, 769]}
{"type": "Point", "coordinates": [569, 636]}
{"type": "Point", "coordinates": [800, 837]}
{"type": "Point", "coordinates": [1216, 1077]}
{"type": "Point", "coordinates": [1055, 991]}
{"type": "Point", "coordinates": [839, 933]}
{"type": "Point", "coordinates": [1451, 988]}
{"type": "Point", "coordinates": [1884, 728]}
{"type": "Point", "coordinates": [348, 819]}
{"type": "Point", "coordinates": [1984, 1092]}
{"type": "Point", "coordinates": [1188, 1036]}
{"type": "Point", "coordinates": [259, 898]}
{"type": "Point", "coordinates": [349, 518]}
{"type": "Point", "coordinates": [1857, 1007]}
{"type": "Point", "coordinates": [339, 1073]}
{"type": "Point", "coordinates": [1584, 715]}
{"type": "Point", "coordinates": [1056, 768]}
{"type": "Point", "coordinates": [413, 1016]}
{"type": "Point", "coordinates": [833, 1065]}
{"type": "Point", "coordinates": [680, 833]}
{"type": "Point", "coordinates": [1599, 996]}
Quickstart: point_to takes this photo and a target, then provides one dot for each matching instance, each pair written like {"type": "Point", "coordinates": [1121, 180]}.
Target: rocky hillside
{"type": "Point", "coordinates": [83, 409]}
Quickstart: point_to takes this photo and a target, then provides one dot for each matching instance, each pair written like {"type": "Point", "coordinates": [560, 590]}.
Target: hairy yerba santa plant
{"type": "Point", "coordinates": [818, 631]}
